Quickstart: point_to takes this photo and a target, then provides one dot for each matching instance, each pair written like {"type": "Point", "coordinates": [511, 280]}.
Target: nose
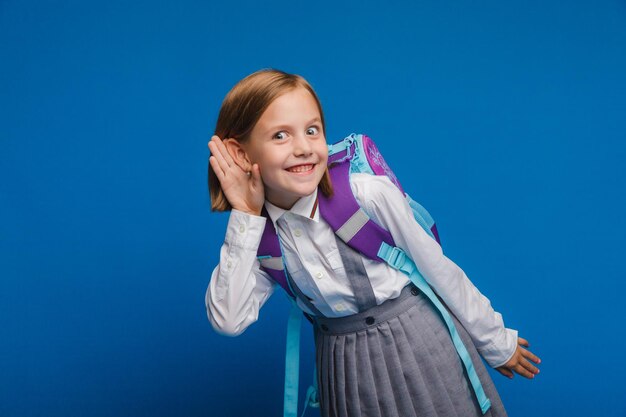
{"type": "Point", "coordinates": [301, 145]}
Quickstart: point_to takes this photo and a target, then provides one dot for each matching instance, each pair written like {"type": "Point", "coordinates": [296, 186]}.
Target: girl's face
{"type": "Point", "coordinates": [289, 145]}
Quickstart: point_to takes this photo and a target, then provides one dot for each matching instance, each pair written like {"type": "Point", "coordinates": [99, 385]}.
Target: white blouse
{"type": "Point", "coordinates": [239, 288]}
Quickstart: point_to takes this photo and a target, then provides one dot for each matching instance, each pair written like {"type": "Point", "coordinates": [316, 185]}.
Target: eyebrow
{"type": "Point", "coordinates": [274, 128]}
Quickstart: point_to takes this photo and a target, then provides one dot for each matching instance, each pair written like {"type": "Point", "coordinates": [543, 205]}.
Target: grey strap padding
{"type": "Point", "coordinates": [352, 226]}
{"type": "Point", "coordinates": [275, 263]}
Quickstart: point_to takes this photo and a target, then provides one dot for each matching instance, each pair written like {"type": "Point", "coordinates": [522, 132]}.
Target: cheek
{"type": "Point", "coordinates": [267, 172]}
{"type": "Point", "coordinates": [324, 157]}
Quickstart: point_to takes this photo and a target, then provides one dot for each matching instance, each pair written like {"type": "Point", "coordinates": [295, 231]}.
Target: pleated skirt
{"type": "Point", "coordinates": [397, 360]}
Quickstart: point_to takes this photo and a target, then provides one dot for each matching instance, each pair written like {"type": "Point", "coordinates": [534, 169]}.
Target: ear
{"type": "Point", "coordinates": [238, 153]}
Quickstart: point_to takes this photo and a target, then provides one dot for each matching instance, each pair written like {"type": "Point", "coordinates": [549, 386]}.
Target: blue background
{"type": "Point", "coordinates": [505, 119]}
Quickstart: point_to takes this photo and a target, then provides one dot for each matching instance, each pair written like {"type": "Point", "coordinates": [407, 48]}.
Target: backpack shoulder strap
{"type": "Point", "coordinates": [358, 153]}
{"type": "Point", "coordinates": [270, 255]}
{"type": "Point", "coordinates": [344, 214]}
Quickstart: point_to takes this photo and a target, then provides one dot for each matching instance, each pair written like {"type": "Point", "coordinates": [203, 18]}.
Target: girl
{"type": "Point", "coordinates": [381, 348]}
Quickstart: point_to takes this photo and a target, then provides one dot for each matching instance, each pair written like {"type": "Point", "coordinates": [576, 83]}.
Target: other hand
{"type": "Point", "coordinates": [243, 189]}
{"type": "Point", "coordinates": [520, 362]}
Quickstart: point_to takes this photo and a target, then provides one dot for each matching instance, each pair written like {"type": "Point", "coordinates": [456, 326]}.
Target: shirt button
{"type": "Point", "coordinates": [339, 307]}
{"type": "Point", "coordinates": [229, 264]}
{"type": "Point", "coordinates": [297, 232]}
{"type": "Point", "coordinates": [370, 320]}
{"type": "Point", "coordinates": [242, 228]}
{"type": "Point", "coordinates": [319, 274]}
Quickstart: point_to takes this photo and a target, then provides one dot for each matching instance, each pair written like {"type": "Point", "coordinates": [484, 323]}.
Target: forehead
{"type": "Point", "coordinates": [295, 106]}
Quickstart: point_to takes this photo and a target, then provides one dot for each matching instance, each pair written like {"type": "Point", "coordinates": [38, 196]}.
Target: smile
{"type": "Point", "coordinates": [301, 169]}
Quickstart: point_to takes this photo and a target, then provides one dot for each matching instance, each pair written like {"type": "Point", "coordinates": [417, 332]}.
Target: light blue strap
{"type": "Point", "coordinates": [315, 393]}
{"type": "Point", "coordinates": [292, 367]}
{"type": "Point", "coordinates": [421, 215]}
{"type": "Point", "coordinates": [292, 361]}
{"type": "Point", "coordinates": [312, 394]}
{"type": "Point", "coordinates": [397, 259]}
{"type": "Point", "coordinates": [340, 146]}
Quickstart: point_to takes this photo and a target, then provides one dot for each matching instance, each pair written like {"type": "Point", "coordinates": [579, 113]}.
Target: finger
{"type": "Point", "coordinates": [227, 156]}
{"type": "Point", "coordinates": [523, 342]}
{"type": "Point", "coordinates": [213, 141]}
{"type": "Point", "coordinates": [216, 145]}
{"type": "Point", "coordinates": [505, 372]}
{"type": "Point", "coordinates": [209, 143]}
{"type": "Point", "coordinates": [219, 156]}
{"type": "Point", "coordinates": [216, 168]}
{"type": "Point", "coordinates": [519, 368]}
{"type": "Point", "coordinates": [529, 355]}
{"type": "Point", "coordinates": [529, 366]}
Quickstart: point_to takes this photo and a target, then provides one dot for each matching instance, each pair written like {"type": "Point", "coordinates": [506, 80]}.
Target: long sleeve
{"type": "Point", "coordinates": [387, 206]}
{"type": "Point", "coordinates": [238, 287]}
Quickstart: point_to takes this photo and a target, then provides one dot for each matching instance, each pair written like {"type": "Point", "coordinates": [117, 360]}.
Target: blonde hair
{"type": "Point", "coordinates": [241, 110]}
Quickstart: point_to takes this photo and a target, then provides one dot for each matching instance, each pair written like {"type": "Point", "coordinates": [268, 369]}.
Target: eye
{"type": "Point", "coordinates": [279, 135]}
{"type": "Point", "coordinates": [313, 130]}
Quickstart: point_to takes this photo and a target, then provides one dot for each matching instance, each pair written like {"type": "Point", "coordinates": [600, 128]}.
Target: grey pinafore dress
{"type": "Point", "coordinates": [395, 359]}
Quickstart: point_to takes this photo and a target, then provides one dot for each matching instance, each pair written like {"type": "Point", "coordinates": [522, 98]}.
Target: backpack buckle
{"type": "Point", "coordinates": [396, 258]}
{"type": "Point", "coordinates": [347, 144]}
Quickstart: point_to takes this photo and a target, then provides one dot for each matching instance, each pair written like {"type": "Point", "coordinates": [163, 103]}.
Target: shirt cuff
{"type": "Point", "coordinates": [244, 230]}
{"type": "Point", "coordinates": [500, 351]}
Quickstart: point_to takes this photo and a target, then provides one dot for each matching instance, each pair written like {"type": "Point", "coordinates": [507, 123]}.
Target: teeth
{"type": "Point", "coordinates": [301, 168]}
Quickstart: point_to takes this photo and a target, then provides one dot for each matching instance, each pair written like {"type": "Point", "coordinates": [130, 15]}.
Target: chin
{"type": "Point", "coordinates": [304, 193]}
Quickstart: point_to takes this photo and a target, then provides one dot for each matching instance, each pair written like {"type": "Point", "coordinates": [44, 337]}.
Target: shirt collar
{"type": "Point", "coordinates": [306, 207]}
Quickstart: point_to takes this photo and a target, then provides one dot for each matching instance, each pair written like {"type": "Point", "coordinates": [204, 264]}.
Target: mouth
{"type": "Point", "coordinates": [301, 169]}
